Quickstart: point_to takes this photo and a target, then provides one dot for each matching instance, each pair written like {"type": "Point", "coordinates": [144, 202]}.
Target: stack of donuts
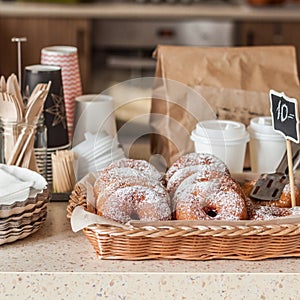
{"type": "Point", "coordinates": [198, 186]}
{"type": "Point", "coordinates": [131, 190]}
{"type": "Point", "coordinates": [202, 188]}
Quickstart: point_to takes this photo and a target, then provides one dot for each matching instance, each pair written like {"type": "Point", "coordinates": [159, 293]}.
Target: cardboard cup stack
{"type": "Point", "coordinates": [67, 58]}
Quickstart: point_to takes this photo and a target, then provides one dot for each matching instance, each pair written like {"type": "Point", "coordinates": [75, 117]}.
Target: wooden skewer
{"type": "Point", "coordinates": [61, 166]}
{"type": "Point", "coordinates": [54, 173]}
{"type": "Point", "coordinates": [71, 168]}
{"type": "Point", "coordinates": [57, 181]}
{"type": "Point", "coordinates": [64, 166]}
{"type": "Point", "coordinates": [63, 170]}
{"type": "Point", "coordinates": [72, 175]}
{"type": "Point", "coordinates": [291, 174]}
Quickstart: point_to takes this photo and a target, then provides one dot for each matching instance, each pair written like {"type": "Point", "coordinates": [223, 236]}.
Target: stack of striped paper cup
{"type": "Point", "coordinates": [66, 57]}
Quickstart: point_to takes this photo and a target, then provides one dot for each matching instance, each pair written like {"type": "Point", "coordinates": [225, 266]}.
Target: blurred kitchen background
{"type": "Point", "coordinates": [116, 39]}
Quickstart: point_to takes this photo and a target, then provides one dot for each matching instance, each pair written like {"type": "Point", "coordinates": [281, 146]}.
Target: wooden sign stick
{"type": "Point", "coordinates": [285, 120]}
{"type": "Point", "coordinates": [291, 174]}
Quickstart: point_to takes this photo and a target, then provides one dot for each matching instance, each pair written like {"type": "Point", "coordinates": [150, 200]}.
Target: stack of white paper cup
{"type": "Point", "coordinates": [94, 114]}
{"type": "Point", "coordinates": [96, 152]}
{"type": "Point", "coordinates": [266, 145]}
{"type": "Point", "coordinates": [66, 57]}
{"type": "Point", "coordinates": [225, 139]}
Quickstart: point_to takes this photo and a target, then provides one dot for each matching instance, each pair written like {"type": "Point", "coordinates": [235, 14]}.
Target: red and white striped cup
{"type": "Point", "coordinates": [66, 57]}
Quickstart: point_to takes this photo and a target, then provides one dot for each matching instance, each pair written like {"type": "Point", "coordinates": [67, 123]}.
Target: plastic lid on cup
{"type": "Point", "coordinates": [261, 127]}
{"type": "Point", "coordinates": [221, 129]}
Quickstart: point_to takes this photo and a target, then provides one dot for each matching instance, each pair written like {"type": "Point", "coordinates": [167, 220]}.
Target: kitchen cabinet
{"type": "Point", "coordinates": [259, 33]}
{"type": "Point", "coordinates": [42, 32]}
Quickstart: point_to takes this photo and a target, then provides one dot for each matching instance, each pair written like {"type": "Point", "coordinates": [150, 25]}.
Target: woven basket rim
{"type": "Point", "coordinates": [284, 229]}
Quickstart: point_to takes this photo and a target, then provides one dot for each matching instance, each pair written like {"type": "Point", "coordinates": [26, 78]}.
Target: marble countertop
{"type": "Point", "coordinates": [240, 11]}
{"type": "Point", "coordinates": [56, 261]}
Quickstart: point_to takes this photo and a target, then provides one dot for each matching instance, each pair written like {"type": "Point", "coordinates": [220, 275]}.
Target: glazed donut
{"type": "Point", "coordinates": [284, 201]}
{"type": "Point", "coordinates": [206, 160]}
{"type": "Point", "coordinates": [213, 197]}
{"type": "Point", "coordinates": [143, 166]}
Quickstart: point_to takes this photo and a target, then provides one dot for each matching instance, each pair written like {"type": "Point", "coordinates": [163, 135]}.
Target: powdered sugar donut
{"type": "Point", "coordinates": [110, 180]}
{"type": "Point", "coordinates": [126, 193]}
{"type": "Point", "coordinates": [143, 166]}
{"type": "Point", "coordinates": [216, 196]}
{"type": "Point", "coordinates": [208, 162]}
{"type": "Point", "coordinates": [110, 177]}
{"type": "Point", "coordinates": [182, 174]}
{"type": "Point", "coordinates": [269, 213]}
{"type": "Point", "coordinates": [134, 203]}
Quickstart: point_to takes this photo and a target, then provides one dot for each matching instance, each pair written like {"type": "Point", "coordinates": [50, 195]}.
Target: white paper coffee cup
{"type": "Point", "coordinates": [94, 114]}
{"type": "Point", "coordinates": [266, 145]}
{"type": "Point", "coordinates": [225, 139]}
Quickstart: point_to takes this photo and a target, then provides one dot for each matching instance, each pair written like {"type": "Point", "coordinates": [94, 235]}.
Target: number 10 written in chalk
{"type": "Point", "coordinates": [284, 111]}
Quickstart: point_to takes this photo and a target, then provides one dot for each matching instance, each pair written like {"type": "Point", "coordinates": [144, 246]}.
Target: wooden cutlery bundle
{"type": "Point", "coordinates": [18, 121]}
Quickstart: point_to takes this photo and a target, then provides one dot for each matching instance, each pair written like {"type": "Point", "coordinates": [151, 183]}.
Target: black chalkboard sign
{"type": "Point", "coordinates": [284, 111]}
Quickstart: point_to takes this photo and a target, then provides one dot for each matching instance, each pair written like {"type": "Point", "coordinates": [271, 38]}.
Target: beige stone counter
{"type": "Point", "coordinates": [137, 11]}
{"type": "Point", "coordinates": [55, 262]}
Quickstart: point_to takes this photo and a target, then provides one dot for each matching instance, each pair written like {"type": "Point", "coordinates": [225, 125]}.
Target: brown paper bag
{"type": "Point", "coordinates": [194, 84]}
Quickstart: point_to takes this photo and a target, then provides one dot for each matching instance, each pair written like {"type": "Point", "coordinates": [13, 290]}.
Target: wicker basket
{"type": "Point", "coordinates": [191, 240]}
